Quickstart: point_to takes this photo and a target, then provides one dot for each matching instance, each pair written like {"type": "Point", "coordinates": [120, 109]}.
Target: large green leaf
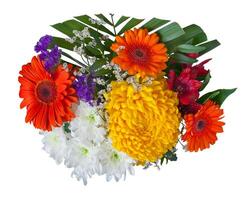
{"type": "Point", "coordinates": [69, 26]}
{"type": "Point", "coordinates": [61, 42]}
{"type": "Point", "coordinates": [205, 81]}
{"type": "Point", "coordinates": [170, 32]}
{"type": "Point", "coordinates": [209, 46]}
{"type": "Point", "coordinates": [129, 25]}
{"type": "Point", "coordinates": [188, 48]}
{"type": "Point", "coordinates": [98, 64]}
{"type": "Point", "coordinates": [73, 59]}
{"type": "Point", "coordinates": [105, 19]}
{"type": "Point", "coordinates": [63, 29]}
{"type": "Point", "coordinates": [181, 58]}
{"type": "Point", "coordinates": [218, 96]}
{"type": "Point", "coordinates": [154, 23]}
{"type": "Point", "coordinates": [196, 33]}
{"type": "Point", "coordinates": [86, 19]}
{"type": "Point", "coordinates": [193, 34]}
{"type": "Point", "coordinates": [121, 20]}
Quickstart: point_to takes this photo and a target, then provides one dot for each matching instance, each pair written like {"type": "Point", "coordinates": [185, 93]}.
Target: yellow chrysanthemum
{"type": "Point", "coordinates": [144, 123]}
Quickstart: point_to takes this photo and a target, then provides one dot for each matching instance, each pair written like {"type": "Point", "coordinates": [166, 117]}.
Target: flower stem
{"type": "Point", "coordinates": [112, 19]}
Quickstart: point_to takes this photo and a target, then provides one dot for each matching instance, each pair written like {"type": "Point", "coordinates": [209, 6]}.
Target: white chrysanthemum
{"type": "Point", "coordinates": [114, 164]}
{"type": "Point", "coordinates": [55, 144]}
{"type": "Point", "coordinates": [83, 158]}
{"type": "Point", "coordinates": [88, 124]}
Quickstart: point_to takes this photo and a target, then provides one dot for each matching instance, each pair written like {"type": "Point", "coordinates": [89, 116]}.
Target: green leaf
{"type": "Point", "coordinates": [61, 42]}
{"type": "Point", "coordinates": [91, 51]}
{"type": "Point", "coordinates": [102, 72]}
{"type": "Point", "coordinates": [193, 33]}
{"type": "Point", "coordinates": [181, 58]}
{"type": "Point", "coordinates": [170, 156]}
{"type": "Point", "coordinates": [86, 19]}
{"type": "Point", "coordinates": [188, 48]}
{"type": "Point", "coordinates": [108, 44]}
{"type": "Point", "coordinates": [196, 33]}
{"type": "Point", "coordinates": [105, 19]}
{"type": "Point", "coordinates": [69, 26]}
{"type": "Point", "coordinates": [73, 59]}
{"type": "Point", "coordinates": [209, 46]}
{"type": "Point", "coordinates": [129, 25]}
{"type": "Point", "coordinates": [170, 32]}
{"type": "Point", "coordinates": [98, 64]}
{"type": "Point", "coordinates": [121, 20]}
{"type": "Point", "coordinates": [66, 127]}
{"type": "Point", "coordinates": [63, 29]}
{"type": "Point", "coordinates": [154, 23]}
{"type": "Point", "coordinates": [218, 96]}
{"type": "Point", "coordinates": [205, 81]}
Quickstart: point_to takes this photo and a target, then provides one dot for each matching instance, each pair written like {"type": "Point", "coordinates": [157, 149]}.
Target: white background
{"type": "Point", "coordinates": [26, 171]}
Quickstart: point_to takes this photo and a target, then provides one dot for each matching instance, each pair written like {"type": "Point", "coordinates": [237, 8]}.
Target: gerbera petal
{"type": "Point", "coordinates": [142, 49]}
{"type": "Point", "coordinates": [204, 129]}
{"type": "Point", "coordinates": [46, 102]}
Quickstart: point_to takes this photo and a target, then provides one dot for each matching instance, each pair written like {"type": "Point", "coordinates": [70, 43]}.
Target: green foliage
{"type": "Point", "coordinates": [130, 24]}
{"type": "Point", "coordinates": [218, 96]}
{"type": "Point", "coordinates": [179, 41]}
{"type": "Point", "coordinates": [66, 127]}
{"type": "Point", "coordinates": [189, 48]}
{"type": "Point", "coordinates": [169, 156]}
{"type": "Point", "coordinates": [205, 81]}
{"type": "Point", "coordinates": [170, 32]}
{"type": "Point", "coordinates": [154, 23]}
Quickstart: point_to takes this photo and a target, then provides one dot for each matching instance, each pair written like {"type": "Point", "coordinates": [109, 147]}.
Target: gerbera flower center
{"type": "Point", "coordinates": [139, 55]}
{"type": "Point", "coordinates": [200, 124]}
{"type": "Point", "coordinates": [46, 91]}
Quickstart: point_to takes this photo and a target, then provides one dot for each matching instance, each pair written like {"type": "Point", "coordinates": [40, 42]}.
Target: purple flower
{"type": "Point", "coordinates": [43, 43]}
{"type": "Point", "coordinates": [50, 57]}
{"type": "Point", "coordinates": [85, 87]}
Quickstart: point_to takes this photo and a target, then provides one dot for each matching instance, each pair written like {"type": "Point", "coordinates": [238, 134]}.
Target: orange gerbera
{"type": "Point", "coordinates": [140, 52]}
{"type": "Point", "coordinates": [201, 128]}
{"type": "Point", "coordinates": [48, 98]}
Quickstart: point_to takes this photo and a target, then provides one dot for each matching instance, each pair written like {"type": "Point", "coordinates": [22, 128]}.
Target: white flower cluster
{"type": "Point", "coordinates": [97, 21]}
{"type": "Point", "coordinates": [86, 149]}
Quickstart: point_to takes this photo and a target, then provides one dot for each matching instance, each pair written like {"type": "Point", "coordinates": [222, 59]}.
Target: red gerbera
{"type": "Point", "coordinates": [201, 128]}
{"type": "Point", "coordinates": [48, 98]}
{"type": "Point", "coordinates": [186, 87]}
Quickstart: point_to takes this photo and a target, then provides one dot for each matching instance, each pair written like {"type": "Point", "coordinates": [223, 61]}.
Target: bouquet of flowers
{"type": "Point", "coordinates": [115, 94]}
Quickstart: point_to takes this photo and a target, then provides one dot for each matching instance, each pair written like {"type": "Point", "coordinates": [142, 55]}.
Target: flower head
{"type": "Point", "coordinates": [202, 127]}
{"type": "Point", "coordinates": [114, 164]}
{"type": "Point", "coordinates": [82, 158]}
{"type": "Point", "coordinates": [88, 125]}
{"type": "Point", "coordinates": [50, 58]}
{"type": "Point", "coordinates": [43, 43]}
{"type": "Point", "coordinates": [143, 123]}
{"type": "Point", "coordinates": [199, 70]}
{"type": "Point", "coordinates": [85, 87]}
{"type": "Point", "coordinates": [186, 87]}
{"type": "Point", "coordinates": [140, 52]}
{"type": "Point", "coordinates": [55, 144]}
{"type": "Point", "coordinates": [48, 98]}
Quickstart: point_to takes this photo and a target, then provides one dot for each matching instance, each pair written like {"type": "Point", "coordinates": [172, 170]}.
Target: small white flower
{"type": "Point", "coordinates": [79, 50]}
{"type": "Point", "coordinates": [93, 43]}
{"type": "Point", "coordinates": [55, 144]}
{"type": "Point", "coordinates": [115, 164]}
{"type": "Point", "coordinates": [92, 60]}
{"type": "Point", "coordinates": [83, 158]}
{"type": "Point", "coordinates": [88, 124]}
